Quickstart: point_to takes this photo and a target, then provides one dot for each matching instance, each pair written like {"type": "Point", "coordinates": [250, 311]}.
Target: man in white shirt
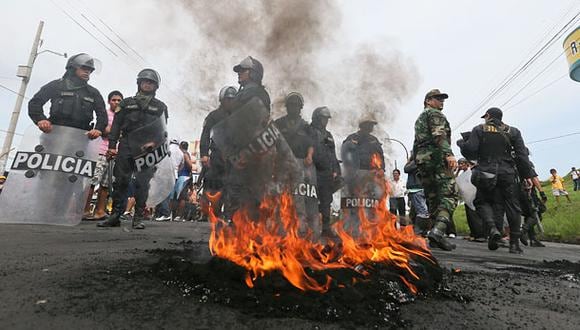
{"type": "Point", "coordinates": [397, 198]}
{"type": "Point", "coordinates": [576, 178]}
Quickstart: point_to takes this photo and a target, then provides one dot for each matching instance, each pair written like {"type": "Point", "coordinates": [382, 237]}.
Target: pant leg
{"type": "Point", "coordinates": [393, 207]}
{"type": "Point", "coordinates": [509, 189]}
{"type": "Point", "coordinates": [484, 202]}
{"type": "Point", "coordinates": [325, 199]}
{"type": "Point", "coordinates": [162, 209]}
{"type": "Point", "coordinates": [440, 189]}
{"type": "Point", "coordinates": [142, 184]}
{"type": "Point", "coordinates": [122, 176]}
{"type": "Point", "coordinates": [475, 223]}
{"type": "Point", "coordinates": [420, 204]}
{"type": "Point", "coordinates": [401, 206]}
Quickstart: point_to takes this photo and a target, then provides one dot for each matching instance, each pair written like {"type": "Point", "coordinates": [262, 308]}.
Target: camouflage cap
{"type": "Point", "coordinates": [434, 93]}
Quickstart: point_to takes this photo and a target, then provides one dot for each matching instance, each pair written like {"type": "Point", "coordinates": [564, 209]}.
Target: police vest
{"type": "Point", "coordinates": [72, 107]}
{"type": "Point", "coordinates": [495, 144]}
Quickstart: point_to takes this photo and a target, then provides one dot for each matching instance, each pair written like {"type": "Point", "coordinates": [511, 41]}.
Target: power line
{"type": "Point", "coordinates": [116, 34]}
{"type": "Point", "coordinates": [82, 27]}
{"type": "Point", "coordinates": [534, 78]}
{"type": "Point", "coordinates": [536, 92]}
{"type": "Point", "coordinates": [15, 133]}
{"type": "Point", "coordinates": [553, 138]}
{"type": "Point", "coordinates": [179, 95]}
{"type": "Point", "coordinates": [518, 72]}
{"type": "Point", "coordinates": [13, 91]}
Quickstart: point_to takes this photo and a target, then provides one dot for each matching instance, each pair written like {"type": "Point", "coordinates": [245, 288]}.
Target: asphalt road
{"type": "Point", "coordinates": [82, 277]}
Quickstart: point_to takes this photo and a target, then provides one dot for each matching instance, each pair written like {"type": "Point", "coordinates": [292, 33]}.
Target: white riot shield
{"type": "Point", "coordinates": [361, 195]}
{"type": "Point", "coordinates": [467, 190]}
{"type": "Point", "coordinates": [49, 177]}
{"type": "Point", "coordinates": [150, 151]}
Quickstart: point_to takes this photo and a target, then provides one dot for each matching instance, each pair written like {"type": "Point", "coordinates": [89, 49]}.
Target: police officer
{"type": "Point", "coordinates": [214, 167]}
{"type": "Point", "coordinates": [295, 129]}
{"type": "Point", "coordinates": [435, 164]}
{"type": "Point", "coordinates": [236, 192]}
{"type": "Point", "coordinates": [133, 113]}
{"type": "Point", "coordinates": [326, 163]}
{"type": "Point", "coordinates": [250, 73]}
{"type": "Point", "coordinates": [500, 153]}
{"type": "Point", "coordinates": [72, 100]}
{"type": "Point", "coordinates": [358, 148]}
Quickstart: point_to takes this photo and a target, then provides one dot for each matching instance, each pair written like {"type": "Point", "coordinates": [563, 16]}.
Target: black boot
{"type": "Point", "coordinates": [494, 238]}
{"type": "Point", "coordinates": [113, 220]}
{"type": "Point", "coordinates": [524, 238]}
{"type": "Point", "coordinates": [421, 226]}
{"type": "Point", "coordinates": [536, 243]}
{"type": "Point", "coordinates": [137, 222]}
{"type": "Point", "coordinates": [515, 244]}
{"type": "Point", "coordinates": [436, 236]}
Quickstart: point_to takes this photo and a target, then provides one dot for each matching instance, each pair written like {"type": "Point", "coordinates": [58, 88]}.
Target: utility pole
{"type": "Point", "coordinates": [24, 72]}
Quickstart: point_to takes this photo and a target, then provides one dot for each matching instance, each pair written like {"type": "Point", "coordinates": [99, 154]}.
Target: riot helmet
{"type": "Point", "coordinates": [255, 67]}
{"type": "Point", "coordinates": [149, 74]}
{"type": "Point", "coordinates": [320, 117]}
{"type": "Point", "coordinates": [321, 112]}
{"type": "Point", "coordinates": [79, 61]}
{"type": "Point", "coordinates": [227, 92]}
{"type": "Point", "coordinates": [294, 98]}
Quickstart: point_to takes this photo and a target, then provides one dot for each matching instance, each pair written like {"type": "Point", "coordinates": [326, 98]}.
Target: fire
{"type": "Point", "coordinates": [272, 243]}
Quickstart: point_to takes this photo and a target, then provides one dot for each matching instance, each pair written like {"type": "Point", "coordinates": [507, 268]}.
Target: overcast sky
{"type": "Point", "coordinates": [464, 48]}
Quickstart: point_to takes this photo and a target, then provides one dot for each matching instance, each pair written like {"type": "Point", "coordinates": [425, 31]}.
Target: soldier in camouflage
{"type": "Point", "coordinates": [435, 164]}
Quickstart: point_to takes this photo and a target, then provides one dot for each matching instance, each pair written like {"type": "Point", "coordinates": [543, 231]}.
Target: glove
{"type": "Point", "coordinates": [543, 196]}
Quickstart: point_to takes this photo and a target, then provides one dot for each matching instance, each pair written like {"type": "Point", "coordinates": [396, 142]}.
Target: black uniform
{"type": "Point", "coordinates": [133, 113]}
{"type": "Point", "coordinates": [249, 90]}
{"type": "Point", "coordinates": [326, 165]}
{"type": "Point", "coordinates": [500, 151]}
{"type": "Point", "coordinates": [361, 149]}
{"type": "Point", "coordinates": [73, 102]}
{"type": "Point", "coordinates": [213, 175]}
{"type": "Point", "coordinates": [236, 191]}
{"type": "Point", "coordinates": [295, 132]}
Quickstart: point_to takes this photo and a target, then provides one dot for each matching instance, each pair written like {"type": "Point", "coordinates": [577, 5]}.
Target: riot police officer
{"type": "Point", "coordinates": [359, 148]}
{"type": "Point", "coordinates": [250, 73]}
{"type": "Point", "coordinates": [500, 153]}
{"type": "Point", "coordinates": [214, 167]}
{"type": "Point", "coordinates": [327, 166]}
{"type": "Point", "coordinates": [295, 129]}
{"type": "Point", "coordinates": [73, 101]}
{"type": "Point", "coordinates": [132, 114]}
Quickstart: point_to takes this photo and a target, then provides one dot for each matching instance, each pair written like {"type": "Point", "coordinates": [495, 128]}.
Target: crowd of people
{"type": "Point", "coordinates": [496, 157]}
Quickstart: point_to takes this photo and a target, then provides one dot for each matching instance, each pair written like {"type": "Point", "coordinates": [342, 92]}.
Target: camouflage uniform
{"type": "Point", "coordinates": [431, 147]}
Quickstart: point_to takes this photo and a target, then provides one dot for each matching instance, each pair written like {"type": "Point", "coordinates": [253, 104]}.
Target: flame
{"type": "Point", "coordinates": [376, 161]}
{"type": "Point", "coordinates": [272, 243]}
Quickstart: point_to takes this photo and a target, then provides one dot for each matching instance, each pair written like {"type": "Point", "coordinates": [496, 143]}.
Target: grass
{"type": "Point", "coordinates": [561, 223]}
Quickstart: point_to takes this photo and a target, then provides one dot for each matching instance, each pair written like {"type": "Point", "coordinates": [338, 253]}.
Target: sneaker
{"type": "Point", "coordinates": [163, 218]}
{"type": "Point", "coordinates": [177, 218]}
{"type": "Point", "coordinates": [452, 235]}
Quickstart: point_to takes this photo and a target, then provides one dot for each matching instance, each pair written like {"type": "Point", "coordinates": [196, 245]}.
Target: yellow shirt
{"type": "Point", "coordinates": [557, 182]}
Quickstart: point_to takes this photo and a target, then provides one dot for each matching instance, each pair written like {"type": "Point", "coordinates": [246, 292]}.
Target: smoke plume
{"type": "Point", "coordinates": [299, 43]}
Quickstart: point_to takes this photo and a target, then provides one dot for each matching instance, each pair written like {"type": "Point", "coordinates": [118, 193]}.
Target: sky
{"type": "Point", "coordinates": [463, 48]}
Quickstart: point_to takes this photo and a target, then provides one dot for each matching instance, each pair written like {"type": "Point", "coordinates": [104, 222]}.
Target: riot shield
{"type": "Point", "coordinates": [49, 177]}
{"type": "Point", "coordinates": [305, 197]}
{"type": "Point", "coordinates": [150, 152]}
{"type": "Point", "coordinates": [361, 196]}
{"type": "Point", "coordinates": [260, 162]}
{"type": "Point", "coordinates": [467, 190]}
